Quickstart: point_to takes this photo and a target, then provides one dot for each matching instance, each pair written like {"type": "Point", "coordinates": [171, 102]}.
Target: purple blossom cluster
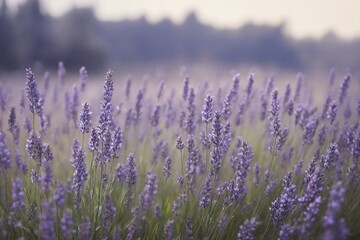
{"type": "Point", "coordinates": [157, 166]}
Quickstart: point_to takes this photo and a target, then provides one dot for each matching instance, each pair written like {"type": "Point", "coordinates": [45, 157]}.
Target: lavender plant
{"type": "Point", "coordinates": [156, 166]}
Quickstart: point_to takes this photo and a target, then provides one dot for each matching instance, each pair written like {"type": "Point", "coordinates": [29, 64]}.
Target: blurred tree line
{"type": "Point", "coordinates": [31, 36]}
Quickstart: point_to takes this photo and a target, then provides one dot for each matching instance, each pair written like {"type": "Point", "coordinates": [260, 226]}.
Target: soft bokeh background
{"type": "Point", "coordinates": [279, 34]}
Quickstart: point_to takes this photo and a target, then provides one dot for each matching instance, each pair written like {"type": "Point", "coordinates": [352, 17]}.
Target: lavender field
{"type": "Point", "coordinates": [182, 159]}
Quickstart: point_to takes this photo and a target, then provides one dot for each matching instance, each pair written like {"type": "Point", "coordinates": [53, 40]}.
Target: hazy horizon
{"type": "Point", "coordinates": [302, 18]}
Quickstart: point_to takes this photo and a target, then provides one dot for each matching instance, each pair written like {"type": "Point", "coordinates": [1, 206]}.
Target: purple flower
{"type": "Point", "coordinates": [313, 188]}
{"type": "Point", "coordinates": [167, 167]}
{"type": "Point", "coordinates": [13, 127]}
{"type": "Point", "coordinates": [108, 214]}
{"type": "Point", "coordinates": [355, 147]}
{"type": "Point", "coordinates": [249, 86]}
{"type": "Point", "coordinates": [66, 224]}
{"type": "Point", "coordinates": [47, 153]}
{"type": "Point", "coordinates": [105, 153]}
{"type": "Point", "coordinates": [227, 137]}
{"type": "Point", "coordinates": [157, 211]}
{"type": "Point", "coordinates": [85, 118]}
{"type": "Point", "coordinates": [74, 103]}
{"type": "Point", "coordinates": [21, 165]}
{"type": "Point", "coordinates": [85, 229]}
{"type": "Point", "coordinates": [205, 198]}
{"type": "Point", "coordinates": [105, 105]}
{"type": "Point", "coordinates": [207, 112]}
{"type": "Point", "coordinates": [155, 116]}
{"type": "Point", "coordinates": [285, 232]}
{"type": "Point", "coordinates": [287, 94]}
{"type": "Point", "coordinates": [311, 167]}
{"type": "Point", "coordinates": [147, 197]}
{"type": "Point", "coordinates": [138, 106]}
{"type": "Point", "coordinates": [46, 178]}
{"type": "Point", "coordinates": [34, 147]}
{"type": "Point", "coordinates": [131, 232]}
{"type": "Point", "coordinates": [289, 108]}
{"type": "Point", "coordinates": [130, 170]}
{"type": "Point", "coordinates": [283, 205]}
{"type": "Point", "coordinates": [335, 228]}
{"type": "Point", "coordinates": [94, 141]}
{"type": "Point", "coordinates": [282, 139]}
{"type": "Point", "coordinates": [216, 135]}
{"type": "Point", "coordinates": [226, 108]}
{"type": "Point", "coordinates": [5, 161]}
{"type": "Point", "coordinates": [190, 121]}
{"type": "Point", "coordinates": [332, 156]}
{"type": "Point", "coordinates": [322, 135]}
{"type": "Point", "coordinates": [310, 130]}
{"type": "Point", "coordinates": [205, 140]}
{"type": "Point", "coordinates": [3, 97]}
{"type": "Point", "coordinates": [47, 221]}
{"type": "Point", "coordinates": [246, 231]}
{"type": "Point", "coordinates": [80, 175]}
{"type": "Point", "coordinates": [263, 107]}
{"type": "Point", "coordinates": [18, 196]}
{"type": "Point", "coordinates": [274, 113]}
{"type": "Point", "coordinates": [186, 88]}
{"type": "Point", "coordinates": [256, 170]}
{"type": "Point", "coordinates": [189, 233]}
{"type": "Point", "coordinates": [310, 214]}
{"type": "Point", "coordinates": [32, 93]}
{"type": "Point", "coordinates": [34, 176]}
{"type": "Point", "coordinates": [117, 143]}
{"type": "Point", "coordinates": [169, 230]}
{"type": "Point", "coordinates": [179, 143]}
{"type": "Point", "coordinates": [269, 85]}
{"type": "Point", "coordinates": [344, 87]}
{"type": "Point", "coordinates": [332, 111]}
{"type": "Point", "coordinates": [120, 173]}
{"type": "Point", "coordinates": [60, 194]}
{"type": "Point", "coordinates": [83, 78]}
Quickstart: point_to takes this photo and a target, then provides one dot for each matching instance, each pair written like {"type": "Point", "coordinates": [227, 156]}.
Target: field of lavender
{"type": "Point", "coordinates": [188, 160]}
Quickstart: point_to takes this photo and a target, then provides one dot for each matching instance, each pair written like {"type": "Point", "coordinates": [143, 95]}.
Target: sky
{"type": "Point", "coordinates": [306, 18]}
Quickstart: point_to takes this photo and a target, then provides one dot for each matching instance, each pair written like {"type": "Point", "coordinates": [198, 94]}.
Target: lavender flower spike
{"type": "Point", "coordinates": [332, 111]}
{"type": "Point", "coordinates": [167, 167]}
{"type": "Point", "coordinates": [47, 221]}
{"type": "Point", "coordinates": [138, 106]}
{"type": "Point", "coordinates": [80, 175]}
{"type": "Point", "coordinates": [151, 189]}
{"type": "Point", "coordinates": [274, 113]}
{"type": "Point", "coordinates": [335, 229]}
{"type": "Point", "coordinates": [344, 87]}
{"type": "Point", "coordinates": [13, 127]}
{"type": "Point", "coordinates": [5, 161]}
{"type": "Point", "coordinates": [18, 196]}
{"type": "Point", "coordinates": [117, 143]}
{"type": "Point", "coordinates": [85, 118]}
{"type": "Point", "coordinates": [130, 170]}
{"type": "Point", "coordinates": [207, 113]}
{"type": "Point", "coordinates": [67, 225]}
{"type": "Point", "coordinates": [105, 108]}
{"type": "Point", "coordinates": [108, 214]}
{"type": "Point", "coordinates": [206, 193]}
{"type": "Point", "coordinates": [169, 230]}
{"type": "Point", "coordinates": [246, 231]}
{"type": "Point", "coordinates": [32, 93]}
